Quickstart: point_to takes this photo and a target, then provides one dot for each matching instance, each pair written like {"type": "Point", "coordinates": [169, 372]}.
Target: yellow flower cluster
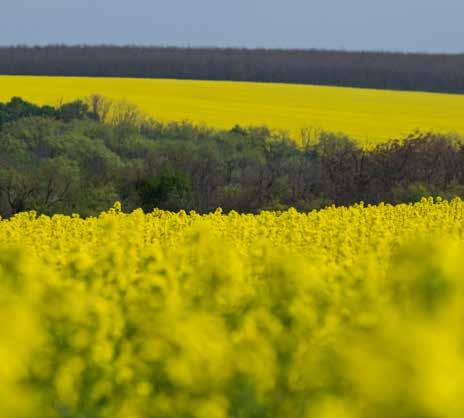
{"type": "Point", "coordinates": [345, 312]}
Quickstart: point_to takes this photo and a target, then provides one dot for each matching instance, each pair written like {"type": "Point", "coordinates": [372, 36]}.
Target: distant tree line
{"type": "Point", "coordinates": [398, 71]}
{"type": "Point", "coordinates": [83, 156]}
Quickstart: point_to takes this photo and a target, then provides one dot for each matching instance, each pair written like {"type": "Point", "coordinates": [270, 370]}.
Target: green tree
{"type": "Point", "coordinates": [169, 190]}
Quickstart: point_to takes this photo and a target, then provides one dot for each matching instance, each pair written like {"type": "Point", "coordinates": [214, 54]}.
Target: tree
{"type": "Point", "coordinates": [170, 190]}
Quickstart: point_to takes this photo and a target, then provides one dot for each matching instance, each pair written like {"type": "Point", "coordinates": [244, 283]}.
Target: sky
{"type": "Point", "coordinates": [398, 25]}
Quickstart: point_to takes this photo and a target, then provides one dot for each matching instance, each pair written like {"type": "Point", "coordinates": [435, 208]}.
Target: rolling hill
{"type": "Point", "coordinates": [370, 116]}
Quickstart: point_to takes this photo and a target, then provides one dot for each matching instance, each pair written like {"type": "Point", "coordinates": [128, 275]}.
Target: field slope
{"type": "Point", "coordinates": [368, 115]}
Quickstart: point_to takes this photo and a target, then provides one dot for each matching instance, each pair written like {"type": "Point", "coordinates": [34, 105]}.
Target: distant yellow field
{"type": "Point", "coordinates": [369, 115]}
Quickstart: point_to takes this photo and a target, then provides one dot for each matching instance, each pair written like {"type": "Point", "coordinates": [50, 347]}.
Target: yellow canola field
{"type": "Point", "coordinates": [371, 116]}
{"type": "Point", "coordinates": [345, 312]}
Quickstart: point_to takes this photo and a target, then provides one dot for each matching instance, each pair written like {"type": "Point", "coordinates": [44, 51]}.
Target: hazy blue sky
{"type": "Point", "coordinates": [414, 25]}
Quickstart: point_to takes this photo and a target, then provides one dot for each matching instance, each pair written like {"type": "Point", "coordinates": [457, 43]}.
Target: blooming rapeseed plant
{"type": "Point", "coordinates": [345, 312]}
{"type": "Point", "coordinates": [370, 116]}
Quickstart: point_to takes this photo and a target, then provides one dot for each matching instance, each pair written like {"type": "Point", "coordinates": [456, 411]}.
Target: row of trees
{"type": "Point", "coordinates": [17, 108]}
{"type": "Point", "coordinates": [427, 72]}
{"type": "Point", "coordinates": [84, 162]}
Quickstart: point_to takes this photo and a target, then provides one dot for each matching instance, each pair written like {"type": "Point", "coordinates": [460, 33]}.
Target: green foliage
{"type": "Point", "coordinates": [81, 156]}
{"type": "Point", "coordinates": [18, 108]}
{"type": "Point", "coordinates": [169, 189]}
{"type": "Point", "coordinates": [74, 110]}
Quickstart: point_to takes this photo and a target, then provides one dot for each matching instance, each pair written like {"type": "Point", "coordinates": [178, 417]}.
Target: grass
{"type": "Point", "coordinates": [370, 116]}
